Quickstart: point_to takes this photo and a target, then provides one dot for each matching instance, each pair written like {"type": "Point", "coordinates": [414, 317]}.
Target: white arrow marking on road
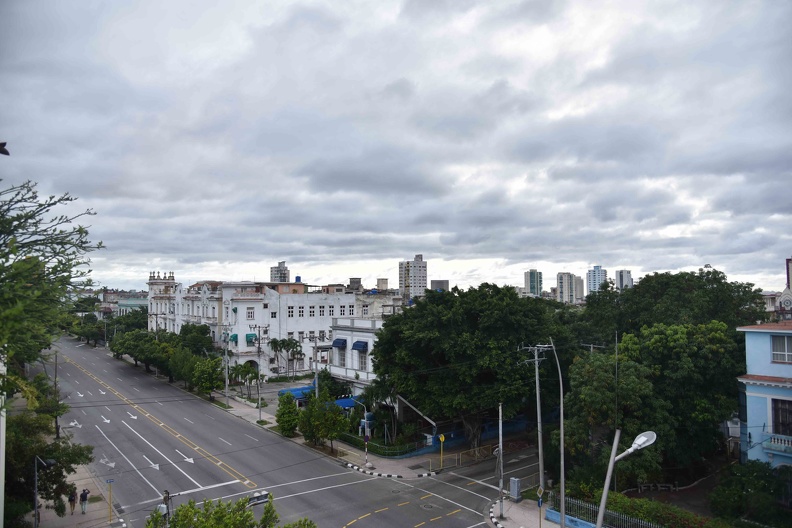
{"type": "Point", "coordinates": [106, 461]}
{"type": "Point", "coordinates": [80, 395]}
{"type": "Point", "coordinates": [105, 420]}
{"type": "Point", "coordinates": [102, 392]}
{"type": "Point", "coordinates": [76, 424]}
{"type": "Point", "coordinates": [189, 420]}
{"type": "Point", "coordinates": [155, 466]}
{"type": "Point", "coordinates": [163, 456]}
{"type": "Point", "coordinates": [190, 460]}
{"type": "Point", "coordinates": [132, 415]}
{"type": "Point", "coordinates": [156, 490]}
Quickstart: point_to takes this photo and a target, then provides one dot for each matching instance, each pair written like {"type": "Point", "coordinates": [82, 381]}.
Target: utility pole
{"type": "Point", "coordinates": [258, 328]}
{"type": "Point", "coordinates": [538, 353]}
{"type": "Point", "coordinates": [591, 347]}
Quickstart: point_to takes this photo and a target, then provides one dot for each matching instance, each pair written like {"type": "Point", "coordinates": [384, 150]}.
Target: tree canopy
{"type": "Point", "coordinates": [231, 514]}
{"type": "Point", "coordinates": [454, 353]}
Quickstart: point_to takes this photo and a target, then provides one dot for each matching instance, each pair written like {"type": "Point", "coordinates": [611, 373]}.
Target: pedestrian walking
{"type": "Point", "coordinates": [84, 500]}
{"type": "Point", "coordinates": [72, 499]}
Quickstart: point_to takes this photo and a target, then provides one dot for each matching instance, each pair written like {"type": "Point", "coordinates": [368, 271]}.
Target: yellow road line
{"type": "Point", "coordinates": [453, 512]}
{"type": "Point", "coordinates": [192, 445]}
{"type": "Point", "coordinates": [430, 520]}
{"type": "Point", "coordinates": [403, 503]}
{"type": "Point", "coordinates": [364, 516]}
{"type": "Point", "coordinates": [422, 498]}
{"type": "Point", "coordinates": [417, 525]}
{"type": "Point", "coordinates": [382, 510]}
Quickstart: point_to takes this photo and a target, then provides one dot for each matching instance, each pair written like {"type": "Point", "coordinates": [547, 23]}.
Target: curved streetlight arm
{"type": "Point", "coordinates": [642, 440]}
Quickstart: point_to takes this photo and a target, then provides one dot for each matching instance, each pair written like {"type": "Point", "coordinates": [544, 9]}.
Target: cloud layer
{"type": "Point", "coordinates": [215, 139]}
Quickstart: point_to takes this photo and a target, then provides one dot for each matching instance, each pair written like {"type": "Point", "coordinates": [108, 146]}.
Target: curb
{"type": "Point", "coordinates": [367, 472]}
{"type": "Point", "coordinates": [493, 517]}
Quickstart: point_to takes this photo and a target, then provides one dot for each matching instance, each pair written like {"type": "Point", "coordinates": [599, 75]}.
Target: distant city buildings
{"type": "Point", "coordinates": [595, 277]}
{"type": "Point", "coordinates": [413, 277]}
{"type": "Point", "coordinates": [439, 285]}
{"type": "Point", "coordinates": [280, 273]}
{"type": "Point", "coordinates": [533, 283]}
{"type": "Point", "coordinates": [622, 279]}
{"type": "Point", "coordinates": [569, 288]}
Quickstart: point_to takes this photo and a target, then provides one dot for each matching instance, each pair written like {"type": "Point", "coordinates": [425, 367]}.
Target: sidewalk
{"type": "Point", "coordinates": [98, 513]}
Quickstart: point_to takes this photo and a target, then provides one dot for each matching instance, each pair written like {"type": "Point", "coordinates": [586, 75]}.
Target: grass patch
{"type": "Point", "coordinates": [262, 422]}
{"type": "Point", "coordinates": [221, 404]}
{"type": "Point", "coordinates": [95, 498]}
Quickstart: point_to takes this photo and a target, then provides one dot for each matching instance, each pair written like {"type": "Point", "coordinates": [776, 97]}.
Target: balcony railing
{"type": "Point", "coordinates": [777, 443]}
{"type": "Point", "coordinates": [350, 373]}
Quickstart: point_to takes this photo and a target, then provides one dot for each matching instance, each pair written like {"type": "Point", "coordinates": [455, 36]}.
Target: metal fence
{"type": "Point", "coordinates": [588, 512]}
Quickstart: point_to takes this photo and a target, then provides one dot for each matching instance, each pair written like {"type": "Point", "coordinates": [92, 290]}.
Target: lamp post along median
{"type": "Point", "coordinates": [642, 440]}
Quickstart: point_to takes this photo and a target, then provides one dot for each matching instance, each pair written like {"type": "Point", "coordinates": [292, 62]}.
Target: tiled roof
{"type": "Point", "coordinates": [782, 325]}
{"type": "Point", "coordinates": [765, 379]}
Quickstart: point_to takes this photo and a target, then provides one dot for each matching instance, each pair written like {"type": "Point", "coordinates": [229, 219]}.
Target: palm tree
{"type": "Point", "coordinates": [276, 346]}
{"type": "Point", "coordinates": [250, 375]}
{"type": "Point", "coordinates": [294, 351]}
{"type": "Point", "coordinates": [237, 372]}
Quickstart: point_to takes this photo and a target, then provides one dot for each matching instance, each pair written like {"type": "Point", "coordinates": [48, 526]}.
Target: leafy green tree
{"type": "Point", "coordinates": [600, 401]}
{"type": "Point", "coordinates": [322, 420]}
{"type": "Point", "coordinates": [208, 375]}
{"type": "Point", "coordinates": [336, 388]}
{"type": "Point", "coordinates": [277, 346]}
{"type": "Point", "coordinates": [29, 435]}
{"type": "Point", "coordinates": [673, 299]}
{"type": "Point", "coordinates": [135, 320]}
{"type": "Point", "coordinates": [182, 365]}
{"type": "Point", "coordinates": [196, 338]}
{"type": "Point", "coordinates": [453, 354]}
{"type": "Point", "coordinates": [288, 415]}
{"type": "Point", "coordinates": [220, 513]}
{"type": "Point", "coordinates": [694, 369]}
{"type": "Point", "coordinates": [753, 490]}
{"type": "Point", "coordinates": [293, 350]}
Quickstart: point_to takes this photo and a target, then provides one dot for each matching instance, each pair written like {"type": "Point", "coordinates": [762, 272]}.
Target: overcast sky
{"type": "Point", "coordinates": [214, 139]}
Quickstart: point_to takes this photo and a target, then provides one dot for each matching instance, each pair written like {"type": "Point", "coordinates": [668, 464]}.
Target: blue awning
{"type": "Point", "coordinates": [345, 403]}
{"type": "Point", "coordinates": [250, 338]}
{"type": "Point", "coordinates": [234, 338]}
{"type": "Point", "coordinates": [339, 343]}
{"type": "Point", "coordinates": [360, 345]}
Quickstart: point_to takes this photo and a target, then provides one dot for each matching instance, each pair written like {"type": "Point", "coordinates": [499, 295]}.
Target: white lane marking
{"type": "Point", "coordinates": [108, 408]}
{"type": "Point", "coordinates": [89, 392]}
{"type": "Point", "coordinates": [159, 499]}
{"type": "Point", "coordinates": [131, 464]}
{"type": "Point", "coordinates": [85, 413]}
{"type": "Point", "coordinates": [68, 374]}
{"type": "Point", "coordinates": [77, 382]}
{"type": "Point", "coordinates": [209, 416]}
{"type": "Point", "coordinates": [163, 456]}
{"type": "Point", "coordinates": [465, 489]}
{"type": "Point", "coordinates": [189, 420]}
{"type": "Point", "coordinates": [136, 389]}
{"type": "Point", "coordinates": [119, 379]}
{"type": "Point", "coordinates": [441, 497]}
{"type": "Point", "coordinates": [256, 439]}
{"type": "Point", "coordinates": [226, 441]}
{"type": "Point", "coordinates": [103, 370]}
{"type": "Point", "coordinates": [158, 403]}
{"type": "Point", "coordinates": [152, 464]}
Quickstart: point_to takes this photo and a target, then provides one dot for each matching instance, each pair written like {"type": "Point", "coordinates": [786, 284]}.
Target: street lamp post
{"type": "Point", "coordinates": [47, 464]}
{"type": "Point", "coordinates": [562, 508]}
{"type": "Point", "coordinates": [367, 431]}
{"type": "Point", "coordinates": [641, 441]}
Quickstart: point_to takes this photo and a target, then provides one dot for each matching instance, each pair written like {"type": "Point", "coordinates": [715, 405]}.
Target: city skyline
{"type": "Point", "coordinates": [216, 140]}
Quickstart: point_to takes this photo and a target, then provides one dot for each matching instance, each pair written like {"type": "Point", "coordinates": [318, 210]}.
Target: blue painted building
{"type": "Point", "coordinates": [766, 394]}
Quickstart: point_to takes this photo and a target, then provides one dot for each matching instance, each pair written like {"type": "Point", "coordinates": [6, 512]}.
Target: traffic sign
{"type": "Point", "coordinates": [442, 438]}
{"type": "Point", "coordinates": [540, 491]}
{"type": "Point", "coordinates": [109, 481]}
{"type": "Point", "coordinates": [366, 438]}
{"type": "Point", "coordinates": [540, 502]}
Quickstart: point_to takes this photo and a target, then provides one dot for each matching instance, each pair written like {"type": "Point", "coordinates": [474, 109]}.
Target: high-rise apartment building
{"type": "Point", "coordinates": [280, 273]}
{"type": "Point", "coordinates": [622, 279]}
{"type": "Point", "coordinates": [595, 277]}
{"type": "Point", "coordinates": [569, 288]}
{"type": "Point", "coordinates": [533, 283]}
{"type": "Point", "coordinates": [412, 277]}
